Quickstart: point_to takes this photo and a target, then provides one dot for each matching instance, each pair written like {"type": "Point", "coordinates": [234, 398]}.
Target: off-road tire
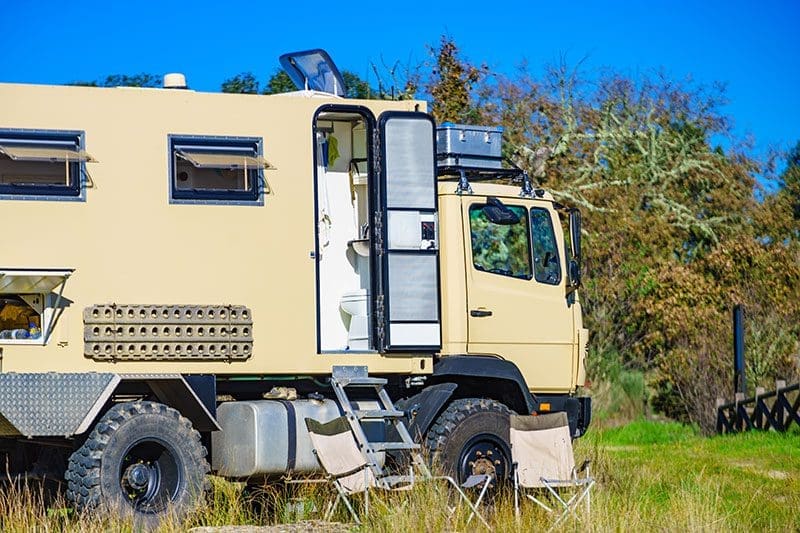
{"type": "Point", "coordinates": [465, 427]}
{"type": "Point", "coordinates": [127, 434]}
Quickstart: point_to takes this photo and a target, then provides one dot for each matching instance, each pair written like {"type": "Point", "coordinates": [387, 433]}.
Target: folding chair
{"type": "Point", "coordinates": [351, 473]}
{"type": "Point", "coordinates": [541, 452]}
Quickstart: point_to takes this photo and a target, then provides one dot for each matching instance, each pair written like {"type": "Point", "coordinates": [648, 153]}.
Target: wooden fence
{"type": "Point", "coordinates": [775, 410]}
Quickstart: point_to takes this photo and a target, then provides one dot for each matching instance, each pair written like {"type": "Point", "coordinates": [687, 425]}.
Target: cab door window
{"type": "Point", "coordinates": [546, 263]}
{"type": "Point", "coordinates": [500, 248]}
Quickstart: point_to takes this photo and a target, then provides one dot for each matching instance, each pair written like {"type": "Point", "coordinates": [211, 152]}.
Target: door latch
{"type": "Point", "coordinates": [478, 313]}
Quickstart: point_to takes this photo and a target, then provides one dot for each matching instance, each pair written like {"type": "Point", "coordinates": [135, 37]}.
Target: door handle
{"type": "Point", "coordinates": [480, 313]}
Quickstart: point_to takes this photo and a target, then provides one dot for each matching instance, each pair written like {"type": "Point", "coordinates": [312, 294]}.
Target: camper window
{"type": "Point", "coordinates": [41, 164]}
{"type": "Point", "coordinates": [28, 299]}
{"type": "Point", "coordinates": [216, 169]}
{"type": "Point", "coordinates": [21, 318]}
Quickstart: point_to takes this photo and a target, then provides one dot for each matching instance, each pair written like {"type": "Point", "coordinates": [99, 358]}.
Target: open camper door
{"type": "Point", "coordinates": [405, 235]}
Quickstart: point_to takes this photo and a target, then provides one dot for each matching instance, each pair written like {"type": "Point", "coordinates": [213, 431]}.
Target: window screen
{"type": "Point", "coordinates": [500, 248]}
{"type": "Point", "coordinates": [216, 169]}
{"type": "Point", "coordinates": [546, 263]}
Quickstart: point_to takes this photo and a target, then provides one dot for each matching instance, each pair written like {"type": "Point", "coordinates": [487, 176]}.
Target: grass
{"type": "Point", "coordinates": [656, 476]}
{"type": "Point", "coordinates": [651, 477]}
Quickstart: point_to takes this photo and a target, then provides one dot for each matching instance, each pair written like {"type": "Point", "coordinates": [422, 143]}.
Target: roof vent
{"type": "Point", "coordinates": [175, 80]}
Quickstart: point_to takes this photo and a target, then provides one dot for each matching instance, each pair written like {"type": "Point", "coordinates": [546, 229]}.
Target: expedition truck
{"type": "Point", "coordinates": [182, 274]}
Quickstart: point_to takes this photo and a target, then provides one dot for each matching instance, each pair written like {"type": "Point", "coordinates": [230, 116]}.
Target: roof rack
{"type": "Point", "coordinates": [467, 174]}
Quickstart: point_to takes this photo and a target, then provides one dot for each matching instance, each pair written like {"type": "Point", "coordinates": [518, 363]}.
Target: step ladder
{"type": "Point", "coordinates": [352, 377]}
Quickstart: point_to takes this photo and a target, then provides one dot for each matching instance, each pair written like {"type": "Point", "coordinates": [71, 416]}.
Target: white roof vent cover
{"type": "Point", "coordinates": [175, 80]}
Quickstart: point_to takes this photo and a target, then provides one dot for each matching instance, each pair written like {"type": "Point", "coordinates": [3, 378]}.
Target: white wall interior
{"type": "Point", "coordinates": [341, 270]}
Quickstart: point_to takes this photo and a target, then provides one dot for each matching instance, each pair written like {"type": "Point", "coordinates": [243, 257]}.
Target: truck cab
{"type": "Point", "coordinates": [506, 284]}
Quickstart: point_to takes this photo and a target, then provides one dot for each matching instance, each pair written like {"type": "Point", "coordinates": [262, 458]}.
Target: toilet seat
{"type": "Point", "coordinates": [354, 302]}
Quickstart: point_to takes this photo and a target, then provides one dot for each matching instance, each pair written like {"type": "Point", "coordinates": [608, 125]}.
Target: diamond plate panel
{"type": "Point", "coordinates": [53, 404]}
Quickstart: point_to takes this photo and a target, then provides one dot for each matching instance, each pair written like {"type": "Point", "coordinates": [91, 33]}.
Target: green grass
{"type": "Point", "coordinates": [651, 476]}
{"type": "Point", "coordinates": [656, 476]}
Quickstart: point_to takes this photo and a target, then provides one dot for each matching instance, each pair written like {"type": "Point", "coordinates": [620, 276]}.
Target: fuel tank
{"type": "Point", "coordinates": [267, 437]}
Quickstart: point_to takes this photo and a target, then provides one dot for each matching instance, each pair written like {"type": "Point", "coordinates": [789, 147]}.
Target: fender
{"type": "Point", "coordinates": [465, 376]}
{"type": "Point", "coordinates": [492, 377]}
{"type": "Point", "coordinates": [422, 408]}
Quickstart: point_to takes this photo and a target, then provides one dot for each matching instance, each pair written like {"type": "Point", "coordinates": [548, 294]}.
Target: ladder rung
{"type": "Point", "coordinates": [386, 446]}
{"type": "Point", "coordinates": [378, 414]}
{"type": "Point", "coordinates": [361, 382]}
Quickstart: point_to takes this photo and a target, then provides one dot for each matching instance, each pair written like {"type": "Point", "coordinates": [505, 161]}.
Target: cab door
{"type": "Point", "coordinates": [516, 300]}
{"type": "Point", "coordinates": [405, 235]}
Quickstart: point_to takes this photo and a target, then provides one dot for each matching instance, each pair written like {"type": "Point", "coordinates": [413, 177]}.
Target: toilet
{"type": "Point", "coordinates": [354, 303]}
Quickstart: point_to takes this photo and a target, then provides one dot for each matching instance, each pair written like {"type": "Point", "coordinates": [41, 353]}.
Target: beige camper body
{"type": "Point", "coordinates": [126, 243]}
{"type": "Point", "coordinates": [176, 264]}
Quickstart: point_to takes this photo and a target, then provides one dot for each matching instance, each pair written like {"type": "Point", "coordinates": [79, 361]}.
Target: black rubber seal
{"type": "Point", "coordinates": [291, 426]}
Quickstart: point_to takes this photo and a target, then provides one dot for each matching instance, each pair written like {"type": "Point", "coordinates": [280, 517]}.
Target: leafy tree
{"type": "Point", "coordinates": [279, 82]}
{"type": "Point", "coordinates": [123, 80]}
{"type": "Point", "coordinates": [244, 83]}
{"type": "Point", "coordinates": [355, 87]}
{"type": "Point", "coordinates": [451, 84]}
{"type": "Point", "coordinates": [673, 232]}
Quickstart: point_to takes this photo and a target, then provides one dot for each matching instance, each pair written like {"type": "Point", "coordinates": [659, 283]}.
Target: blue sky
{"type": "Point", "coordinates": [753, 47]}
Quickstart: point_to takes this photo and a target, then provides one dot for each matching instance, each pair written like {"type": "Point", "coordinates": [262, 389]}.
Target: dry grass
{"type": "Point", "coordinates": [651, 477]}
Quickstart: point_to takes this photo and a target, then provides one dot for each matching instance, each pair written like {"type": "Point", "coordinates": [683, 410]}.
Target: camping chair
{"type": "Point", "coordinates": [351, 473]}
{"type": "Point", "coordinates": [541, 452]}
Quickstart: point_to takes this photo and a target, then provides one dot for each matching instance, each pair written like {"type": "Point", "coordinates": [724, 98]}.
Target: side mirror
{"type": "Point", "coordinates": [574, 274]}
{"type": "Point", "coordinates": [575, 245]}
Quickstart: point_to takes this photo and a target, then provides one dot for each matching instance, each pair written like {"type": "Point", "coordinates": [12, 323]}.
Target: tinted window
{"type": "Point", "coordinates": [500, 249]}
{"type": "Point", "coordinates": [41, 163]}
{"type": "Point", "coordinates": [546, 263]}
{"type": "Point", "coordinates": [215, 169]}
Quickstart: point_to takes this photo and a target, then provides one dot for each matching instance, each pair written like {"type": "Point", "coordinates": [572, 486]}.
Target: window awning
{"type": "Point", "coordinates": [20, 281]}
{"type": "Point", "coordinates": [44, 153]}
{"type": "Point", "coordinates": [202, 159]}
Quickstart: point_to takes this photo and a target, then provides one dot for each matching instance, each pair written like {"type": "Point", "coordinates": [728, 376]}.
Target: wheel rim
{"type": "Point", "coordinates": [150, 475]}
{"type": "Point", "coordinates": [484, 454]}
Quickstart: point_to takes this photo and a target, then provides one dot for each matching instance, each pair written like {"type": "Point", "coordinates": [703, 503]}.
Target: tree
{"type": "Point", "coordinates": [244, 83]}
{"type": "Point", "coordinates": [123, 80]}
{"type": "Point", "coordinates": [670, 221]}
{"type": "Point", "coordinates": [778, 219]}
{"type": "Point", "coordinates": [355, 87]}
{"type": "Point", "coordinates": [451, 83]}
{"type": "Point", "coordinates": [279, 82]}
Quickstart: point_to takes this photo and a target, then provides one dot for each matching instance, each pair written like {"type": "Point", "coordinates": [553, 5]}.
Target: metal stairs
{"type": "Point", "coordinates": [357, 377]}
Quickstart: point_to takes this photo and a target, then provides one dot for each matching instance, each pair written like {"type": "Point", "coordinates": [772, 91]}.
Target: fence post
{"type": "Point", "coordinates": [782, 413]}
{"type": "Point", "coordinates": [719, 413]}
{"type": "Point", "coordinates": [739, 378]}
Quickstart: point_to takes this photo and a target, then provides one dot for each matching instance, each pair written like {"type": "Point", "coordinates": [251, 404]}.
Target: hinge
{"type": "Point", "coordinates": [376, 151]}
{"type": "Point", "coordinates": [379, 315]}
{"type": "Point", "coordinates": [378, 232]}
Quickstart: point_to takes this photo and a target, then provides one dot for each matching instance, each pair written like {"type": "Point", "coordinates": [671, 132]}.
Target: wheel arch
{"type": "Point", "coordinates": [458, 377]}
{"type": "Point", "coordinates": [485, 376]}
